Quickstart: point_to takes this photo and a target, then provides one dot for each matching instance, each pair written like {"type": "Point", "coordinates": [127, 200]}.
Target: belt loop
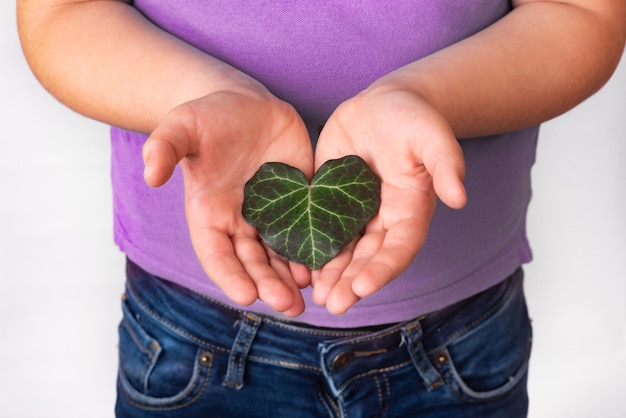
{"type": "Point", "coordinates": [248, 327]}
{"type": "Point", "coordinates": [412, 337]}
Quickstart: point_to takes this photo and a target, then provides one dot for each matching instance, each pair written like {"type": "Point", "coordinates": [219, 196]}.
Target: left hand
{"type": "Point", "coordinates": [414, 152]}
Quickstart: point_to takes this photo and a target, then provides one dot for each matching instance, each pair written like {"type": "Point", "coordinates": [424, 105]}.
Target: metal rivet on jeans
{"type": "Point", "coordinates": [442, 358]}
{"type": "Point", "coordinates": [206, 358]}
{"type": "Point", "coordinates": [342, 360]}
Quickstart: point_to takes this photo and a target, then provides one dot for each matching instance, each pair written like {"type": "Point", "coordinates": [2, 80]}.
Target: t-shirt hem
{"type": "Point", "coordinates": [357, 316]}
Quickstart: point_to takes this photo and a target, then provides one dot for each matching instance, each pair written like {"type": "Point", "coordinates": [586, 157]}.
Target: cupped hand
{"type": "Point", "coordinates": [413, 150]}
{"type": "Point", "coordinates": [220, 141]}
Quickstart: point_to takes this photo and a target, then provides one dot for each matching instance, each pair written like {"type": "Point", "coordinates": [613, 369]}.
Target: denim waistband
{"type": "Point", "coordinates": [251, 336]}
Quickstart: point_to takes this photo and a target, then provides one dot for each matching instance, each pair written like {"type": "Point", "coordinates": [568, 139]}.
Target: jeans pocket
{"type": "Point", "coordinates": [157, 369]}
{"type": "Point", "coordinates": [490, 359]}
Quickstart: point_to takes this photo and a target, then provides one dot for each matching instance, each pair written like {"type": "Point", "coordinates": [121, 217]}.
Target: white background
{"type": "Point", "coordinates": [61, 276]}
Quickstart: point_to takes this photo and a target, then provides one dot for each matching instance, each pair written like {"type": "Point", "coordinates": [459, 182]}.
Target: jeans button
{"type": "Point", "coordinates": [342, 360]}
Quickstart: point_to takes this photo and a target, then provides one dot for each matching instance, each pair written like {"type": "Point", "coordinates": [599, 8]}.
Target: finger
{"type": "Point", "coordinates": [324, 284]}
{"type": "Point", "coordinates": [375, 267]}
{"type": "Point", "coordinates": [341, 296]}
{"type": "Point", "coordinates": [221, 264]}
{"type": "Point", "coordinates": [282, 268]}
{"type": "Point", "coordinates": [270, 288]}
{"type": "Point", "coordinates": [326, 278]}
{"type": "Point", "coordinates": [301, 274]}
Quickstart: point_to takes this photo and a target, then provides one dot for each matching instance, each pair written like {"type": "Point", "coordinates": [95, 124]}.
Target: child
{"type": "Point", "coordinates": [401, 322]}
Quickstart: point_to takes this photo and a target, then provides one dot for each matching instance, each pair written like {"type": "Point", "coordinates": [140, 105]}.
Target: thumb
{"type": "Point", "coordinates": [162, 151]}
{"type": "Point", "coordinates": [446, 165]}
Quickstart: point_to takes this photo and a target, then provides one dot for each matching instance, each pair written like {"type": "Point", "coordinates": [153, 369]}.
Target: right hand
{"type": "Point", "coordinates": [220, 141]}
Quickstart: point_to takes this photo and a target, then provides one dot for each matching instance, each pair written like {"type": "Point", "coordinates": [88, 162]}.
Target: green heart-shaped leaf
{"type": "Point", "coordinates": [310, 223]}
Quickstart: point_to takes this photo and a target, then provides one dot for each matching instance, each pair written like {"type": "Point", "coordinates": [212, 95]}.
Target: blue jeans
{"type": "Point", "coordinates": [183, 355]}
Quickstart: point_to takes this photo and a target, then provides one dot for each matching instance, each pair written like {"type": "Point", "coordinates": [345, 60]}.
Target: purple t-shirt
{"type": "Point", "coordinates": [315, 55]}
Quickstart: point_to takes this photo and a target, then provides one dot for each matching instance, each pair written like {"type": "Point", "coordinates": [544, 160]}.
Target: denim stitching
{"type": "Point", "coordinates": [176, 407]}
{"type": "Point", "coordinates": [423, 373]}
{"type": "Point", "coordinates": [250, 334]}
{"type": "Point", "coordinates": [149, 361]}
{"type": "Point", "coordinates": [174, 327]}
{"type": "Point", "coordinates": [473, 324]}
{"type": "Point", "coordinates": [138, 343]}
{"type": "Point", "coordinates": [330, 402]}
{"type": "Point", "coordinates": [467, 398]}
{"type": "Point", "coordinates": [379, 393]}
{"type": "Point", "coordinates": [383, 405]}
{"type": "Point", "coordinates": [388, 389]}
{"type": "Point", "coordinates": [373, 371]}
{"type": "Point", "coordinates": [513, 382]}
{"type": "Point", "coordinates": [222, 349]}
{"type": "Point", "coordinates": [319, 333]}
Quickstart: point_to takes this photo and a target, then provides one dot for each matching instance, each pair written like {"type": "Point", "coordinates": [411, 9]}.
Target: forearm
{"type": "Point", "coordinates": [536, 63]}
{"type": "Point", "coordinates": [105, 60]}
